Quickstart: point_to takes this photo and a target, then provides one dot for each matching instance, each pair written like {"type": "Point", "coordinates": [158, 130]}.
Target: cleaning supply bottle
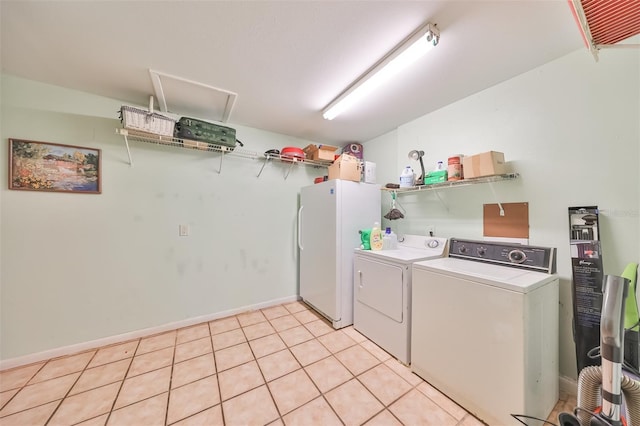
{"type": "Point", "coordinates": [407, 177]}
{"type": "Point", "coordinates": [386, 239]}
{"type": "Point", "coordinates": [375, 239]}
{"type": "Point", "coordinates": [393, 237]}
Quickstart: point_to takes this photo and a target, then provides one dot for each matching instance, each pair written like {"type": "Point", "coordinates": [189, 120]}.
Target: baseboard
{"type": "Point", "coordinates": [84, 346]}
{"type": "Point", "coordinates": [568, 386]}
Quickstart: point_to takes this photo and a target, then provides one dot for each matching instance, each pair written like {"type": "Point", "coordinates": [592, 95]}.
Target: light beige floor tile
{"type": "Point", "coordinates": [92, 378]}
{"type": "Point", "coordinates": [274, 312]}
{"type": "Point", "coordinates": [18, 377]}
{"type": "Point", "coordinates": [415, 408]}
{"type": "Point", "coordinates": [194, 332]}
{"type": "Point", "coordinates": [256, 331]}
{"type": "Point", "coordinates": [295, 335]}
{"type": "Point", "coordinates": [250, 318]}
{"type": "Point", "coordinates": [294, 307]}
{"type": "Point", "coordinates": [63, 366]}
{"type": "Point", "coordinates": [193, 398]}
{"type": "Point", "coordinates": [209, 417]}
{"type": "Point", "coordinates": [442, 400]}
{"type": "Point", "coordinates": [277, 364]}
{"type": "Point", "coordinates": [292, 391]}
{"type": "Point", "coordinates": [306, 316]}
{"type": "Point", "coordinates": [154, 343]}
{"type": "Point", "coordinates": [336, 341]}
{"type": "Point", "coordinates": [353, 403]}
{"type": "Point", "coordinates": [193, 349]}
{"type": "Point", "coordinates": [319, 327]}
{"type": "Point", "coordinates": [86, 405]}
{"type": "Point", "coordinates": [385, 418]}
{"type": "Point", "coordinates": [114, 353]}
{"type": "Point", "coordinates": [151, 361]}
{"type": "Point", "coordinates": [32, 417]}
{"type": "Point", "coordinates": [469, 420]}
{"type": "Point", "coordinates": [354, 334]}
{"type": "Point", "coordinates": [403, 371]}
{"type": "Point", "coordinates": [96, 421]}
{"type": "Point", "coordinates": [192, 370]}
{"type": "Point", "coordinates": [316, 412]}
{"type": "Point", "coordinates": [6, 396]}
{"type": "Point", "coordinates": [227, 339]}
{"type": "Point", "coordinates": [148, 412]}
{"type": "Point", "coordinates": [40, 393]}
{"type": "Point", "coordinates": [224, 324]}
{"type": "Point", "coordinates": [376, 350]}
{"type": "Point", "coordinates": [309, 352]}
{"type": "Point", "coordinates": [277, 422]}
{"type": "Point", "coordinates": [233, 356]}
{"type": "Point", "coordinates": [386, 385]}
{"type": "Point", "coordinates": [266, 345]}
{"type": "Point", "coordinates": [252, 408]}
{"type": "Point", "coordinates": [357, 359]}
{"type": "Point", "coordinates": [239, 379]}
{"type": "Point", "coordinates": [144, 386]}
{"type": "Point", "coordinates": [328, 373]}
{"type": "Point", "coordinates": [284, 323]}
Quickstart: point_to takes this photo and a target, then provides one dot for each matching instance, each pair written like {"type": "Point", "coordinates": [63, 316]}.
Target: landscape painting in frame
{"type": "Point", "coordinates": [52, 167]}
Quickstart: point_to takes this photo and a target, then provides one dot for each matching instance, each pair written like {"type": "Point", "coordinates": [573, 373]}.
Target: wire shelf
{"type": "Point", "coordinates": [454, 183]}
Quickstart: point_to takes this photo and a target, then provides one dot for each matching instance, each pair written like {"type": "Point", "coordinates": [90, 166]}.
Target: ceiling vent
{"type": "Point", "coordinates": [604, 24]}
{"type": "Point", "coordinates": [192, 99]}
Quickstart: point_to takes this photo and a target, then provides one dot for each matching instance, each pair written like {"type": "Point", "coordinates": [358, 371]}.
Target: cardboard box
{"type": "Point", "coordinates": [346, 167]}
{"type": "Point", "coordinates": [486, 164]}
{"type": "Point", "coordinates": [320, 152]}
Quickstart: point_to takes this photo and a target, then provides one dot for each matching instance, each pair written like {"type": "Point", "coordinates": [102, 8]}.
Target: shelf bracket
{"type": "Point", "coordinates": [221, 157]}
{"type": "Point", "coordinates": [289, 170]}
{"type": "Point", "coordinates": [496, 198]}
{"type": "Point", "coordinates": [441, 201]}
{"type": "Point", "coordinates": [126, 142]}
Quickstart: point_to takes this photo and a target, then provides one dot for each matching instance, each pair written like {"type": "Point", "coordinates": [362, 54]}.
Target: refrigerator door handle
{"type": "Point", "coordinates": [360, 279]}
{"type": "Point", "coordinates": [300, 228]}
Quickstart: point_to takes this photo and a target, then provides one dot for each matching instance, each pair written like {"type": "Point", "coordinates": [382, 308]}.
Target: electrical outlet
{"type": "Point", "coordinates": [431, 231]}
{"type": "Point", "coordinates": [183, 230]}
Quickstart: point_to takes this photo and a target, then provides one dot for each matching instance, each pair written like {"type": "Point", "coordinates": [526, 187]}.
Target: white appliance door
{"type": "Point", "coordinates": [380, 287]}
{"type": "Point", "coordinates": [318, 251]}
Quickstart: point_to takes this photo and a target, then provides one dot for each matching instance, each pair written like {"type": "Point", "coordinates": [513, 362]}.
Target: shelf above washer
{"type": "Point", "coordinates": [454, 183]}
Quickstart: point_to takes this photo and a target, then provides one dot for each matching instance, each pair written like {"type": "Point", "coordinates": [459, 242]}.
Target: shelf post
{"type": "Point", "coordinates": [126, 142]}
{"type": "Point", "coordinates": [496, 197]}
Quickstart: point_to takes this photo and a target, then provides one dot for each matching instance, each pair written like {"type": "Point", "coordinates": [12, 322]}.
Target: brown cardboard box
{"type": "Point", "coordinates": [486, 164]}
{"type": "Point", "coordinates": [346, 167]}
{"type": "Point", "coordinates": [320, 152]}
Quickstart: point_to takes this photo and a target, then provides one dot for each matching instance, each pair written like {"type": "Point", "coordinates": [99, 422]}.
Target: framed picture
{"type": "Point", "coordinates": [52, 167]}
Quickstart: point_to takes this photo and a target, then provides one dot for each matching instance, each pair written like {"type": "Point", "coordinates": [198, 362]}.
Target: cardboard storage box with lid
{"type": "Point", "coordinates": [346, 167]}
{"type": "Point", "coordinates": [489, 163]}
{"type": "Point", "coordinates": [320, 152]}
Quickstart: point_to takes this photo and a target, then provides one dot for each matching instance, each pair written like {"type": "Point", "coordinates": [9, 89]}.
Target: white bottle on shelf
{"type": "Point", "coordinates": [407, 177]}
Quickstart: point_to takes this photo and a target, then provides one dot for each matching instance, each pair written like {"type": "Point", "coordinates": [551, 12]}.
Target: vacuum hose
{"type": "Point", "coordinates": [589, 391]}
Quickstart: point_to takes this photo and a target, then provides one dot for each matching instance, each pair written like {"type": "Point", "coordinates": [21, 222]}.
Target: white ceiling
{"type": "Point", "coordinates": [286, 60]}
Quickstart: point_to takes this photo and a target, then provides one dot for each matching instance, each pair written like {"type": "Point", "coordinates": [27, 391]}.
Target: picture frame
{"type": "Point", "coordinates": [54, 167]}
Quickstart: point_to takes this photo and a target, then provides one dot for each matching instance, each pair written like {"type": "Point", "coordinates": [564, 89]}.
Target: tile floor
{"type": "Point", "coordinates": [280, 365]}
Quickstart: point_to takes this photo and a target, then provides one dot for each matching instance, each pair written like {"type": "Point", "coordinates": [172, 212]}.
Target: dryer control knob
{"type": "Point", "coordinates": [433, 243]}
{"type": "Point", "coordinates": [481, 251]}
{"type": "Point", "coordinates": [517, 256]}
{"type": "Point", "coordinates": [462, 249]}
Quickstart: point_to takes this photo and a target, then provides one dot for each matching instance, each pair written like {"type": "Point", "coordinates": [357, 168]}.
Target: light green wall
{"type": "Point", "coordinates": [78, 267]}
{"type": "Point", "coordinates": [571, 128]}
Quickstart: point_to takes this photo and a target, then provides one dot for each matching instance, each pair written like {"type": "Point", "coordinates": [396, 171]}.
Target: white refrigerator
{"type": "Point", "coordinates": [331, 214]}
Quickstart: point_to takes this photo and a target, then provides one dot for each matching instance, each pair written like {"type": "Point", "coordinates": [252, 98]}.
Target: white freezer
{"type": "Point", "coordinates": [330, 215]}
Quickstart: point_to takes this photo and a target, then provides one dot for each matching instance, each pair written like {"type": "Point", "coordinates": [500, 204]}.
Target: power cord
{"type": "Point", "coordinates": [524, 416]}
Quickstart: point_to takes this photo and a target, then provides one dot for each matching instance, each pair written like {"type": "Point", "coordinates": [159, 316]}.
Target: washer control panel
{"type": "Point", "coordinates": [520, 256]}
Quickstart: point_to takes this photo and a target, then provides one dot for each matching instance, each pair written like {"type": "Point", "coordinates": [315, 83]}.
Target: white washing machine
{"type": "Point", "coordinates": [485, 328]}
{"type": "Point", "coordinates": [382, 291]}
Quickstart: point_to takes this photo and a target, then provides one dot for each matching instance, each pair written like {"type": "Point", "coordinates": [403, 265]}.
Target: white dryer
{"type": "Point", "coordinates": [485, 328]}
{"type": "Point", "coordinates": [382, 291]}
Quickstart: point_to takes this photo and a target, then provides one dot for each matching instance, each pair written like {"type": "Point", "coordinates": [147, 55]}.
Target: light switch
{"type": "Point", "coordinates": [183, 230]}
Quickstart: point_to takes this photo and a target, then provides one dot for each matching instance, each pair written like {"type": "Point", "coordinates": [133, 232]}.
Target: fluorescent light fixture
{"type": "Point", "coordinates": [403, 55]}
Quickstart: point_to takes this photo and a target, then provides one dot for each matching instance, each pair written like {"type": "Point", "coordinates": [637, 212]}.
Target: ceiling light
{"type": "Point", "coordinates": [403, 55]}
